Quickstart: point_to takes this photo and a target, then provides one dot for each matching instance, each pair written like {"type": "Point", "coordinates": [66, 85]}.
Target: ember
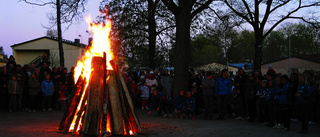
{"type": "Point", "coordinates": [100, 103]}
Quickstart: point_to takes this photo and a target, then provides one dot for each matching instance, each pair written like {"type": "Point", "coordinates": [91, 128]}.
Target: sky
{"type": "Point", "coordinates": [21, 22]}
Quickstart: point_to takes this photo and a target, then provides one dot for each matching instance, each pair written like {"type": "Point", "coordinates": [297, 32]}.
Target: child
{"type": "Point", "coordinates": [179, 103]}
{"type": "Point", "coordinates": [144, 95]}
{"type": "Point", "coordinates": [13, 91]}
{"type": "Point", "coordinates": [190, 105]}
{"type": "Point", "coordinates": [166, 105]}
{"type": "Point", "coordinates": [262, 92]}
{"type": "Point", "coordinates": [155, 102]}
{"type": "Point", "coordinates": [62, 95]}
{"type": "Point", "coordinates": [47, 92]}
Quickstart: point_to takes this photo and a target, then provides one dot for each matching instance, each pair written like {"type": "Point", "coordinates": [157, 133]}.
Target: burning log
{"type": "Point", "coordinates": [69, 113]}
{"type": "Point", "coordinates": [85, 114]}
{"type": "Point", "coordinates": [100, 103]}
{"type": "Point", "coordinates": [92, 121]}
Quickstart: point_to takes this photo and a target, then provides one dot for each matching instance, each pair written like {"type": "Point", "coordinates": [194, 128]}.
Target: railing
{"type": "Point", "coordinates": [36, 61]}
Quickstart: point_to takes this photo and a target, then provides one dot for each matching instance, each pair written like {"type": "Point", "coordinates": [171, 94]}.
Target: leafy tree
{"type": "Point", "coordinates": [241, 48]}
{"type": "Point", "coordinates": [205, 50]}
{"type": "Point", "coordinates": [67, 11]}
{"type": "Point", "coordinates": [276, 46]}
{"type": "Point", "coordinates": [260, 13]}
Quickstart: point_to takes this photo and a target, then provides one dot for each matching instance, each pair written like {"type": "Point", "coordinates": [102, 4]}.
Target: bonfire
{"type": "Point", "coordinates": [100, 102]}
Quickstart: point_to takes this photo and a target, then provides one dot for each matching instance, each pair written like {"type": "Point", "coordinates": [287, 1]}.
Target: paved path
{"type": "Point", "coordinates": [45, 124]}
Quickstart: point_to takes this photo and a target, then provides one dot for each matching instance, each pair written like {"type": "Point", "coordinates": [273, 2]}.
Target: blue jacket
{"type": "Point", "coordinates": [190, 102]}
{"type": "Point", "coordinates": [283, 93]}
{"type": "Point", "coordinates": [305, 91]}
{"type": "Point", "coordinates": [261, 94]}
{"type": "Point", "coordinates": [223, 86]}
{"type": "Point", "coordinates": [47, 87]}
{"type": "Point", "coordinates": [179, 102]}
{"type": "Point", "coordinates": [271, 93]}
{"type": "Point", "coordinates": [155, 101]}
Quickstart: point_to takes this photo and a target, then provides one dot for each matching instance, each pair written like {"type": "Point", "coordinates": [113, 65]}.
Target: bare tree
{"type": "Point", "coordinates": [260, 13]}
{"type": "Point", "coordinates": [67, 11]}
{"type": "Point", "coordinates": [184, 12]}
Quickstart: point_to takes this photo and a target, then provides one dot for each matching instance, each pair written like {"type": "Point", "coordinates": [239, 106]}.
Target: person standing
{"type": "Point", "coordinates": [144, 96]}
{"type": "Point", "coordinates": [208, 90]}
{"type": "Point", "coordinates": [240, 82]}
{"type": "Point", "coordinates": [13, 91]}
{"type": "Point", "coordinates": [47, 88]}
{"type": "Point", "coordinates": [33, 92]}
{"type": "Point", "coordinates": [4, 79]}
{"type": "Point", "coordinates": [166, 83]}
{"type": "Point", "coordinates": [303, 103]}
{"type": "Point", "coordinates": [284, 104]}
{"type": "Point", "coordinates": [11, 65]}
{"type": "Point", "coordinates": [223, 89]}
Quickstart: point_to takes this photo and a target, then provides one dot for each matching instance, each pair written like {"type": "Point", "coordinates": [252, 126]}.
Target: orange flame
{"type": "Point", "coordinates": [100, 44]}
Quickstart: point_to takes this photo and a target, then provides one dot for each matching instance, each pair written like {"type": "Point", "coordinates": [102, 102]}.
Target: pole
{"type": "Point", "coordinates": [289, 56]}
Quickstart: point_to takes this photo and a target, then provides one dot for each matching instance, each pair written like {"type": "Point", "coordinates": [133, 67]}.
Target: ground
{"type": "Point", "coordinates": [45, 124]}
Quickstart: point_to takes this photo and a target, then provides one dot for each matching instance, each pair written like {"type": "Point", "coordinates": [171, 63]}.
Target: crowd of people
{"type": "Point", "coordinates": [272, 98]}
{"type": "Point", "coordinates": [25, 88]}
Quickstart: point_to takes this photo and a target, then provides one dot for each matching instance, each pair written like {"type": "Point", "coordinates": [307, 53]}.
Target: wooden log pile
{"type": "Point", "coordinates": [102, 106]}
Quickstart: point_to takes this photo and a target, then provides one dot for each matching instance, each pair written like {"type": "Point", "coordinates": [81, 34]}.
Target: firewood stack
{"type": "Point", "coordinates": [103, 107]}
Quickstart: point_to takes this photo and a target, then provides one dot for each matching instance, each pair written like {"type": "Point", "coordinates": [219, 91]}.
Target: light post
{"type": "Point", "coordinates": [289, 71]}
{"type": "Point", "coordinates": [80, 44]}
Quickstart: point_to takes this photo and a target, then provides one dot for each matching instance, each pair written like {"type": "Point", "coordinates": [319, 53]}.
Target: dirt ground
{"type": "Point", "coordinates": [45, 124]}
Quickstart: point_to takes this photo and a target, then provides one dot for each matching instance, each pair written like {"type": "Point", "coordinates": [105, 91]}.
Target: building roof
{"type": "Point", "coordinates": [4, 60]}
{"type": "Point", "coordinates": [52, 38]}
{"type": "Point", "coordinates": [313, 58]}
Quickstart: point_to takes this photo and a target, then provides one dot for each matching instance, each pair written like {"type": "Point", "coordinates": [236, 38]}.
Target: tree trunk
{"type": "Point", "coordinates": [258, 50]}
{"type": "Point", "coordinates": [182, 51]}
{"type": "Point", "coordinates": [152, 33]}
{"type": "Point", "coordinates": [61, 54]}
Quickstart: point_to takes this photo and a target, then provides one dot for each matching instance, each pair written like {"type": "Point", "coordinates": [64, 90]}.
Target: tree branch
{"type": "Point", "coordinates": [238, 13]}
{"type": "Point", "coordinates": [171, 5]}
{"type": "Point", "coordinates": [201, 8]}
{"type": "Point", "coordinates": [38, 4]}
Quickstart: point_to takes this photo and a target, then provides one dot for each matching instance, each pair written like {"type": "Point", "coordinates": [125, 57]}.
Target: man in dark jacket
{"type": "Point", "coordinates": [240, 82]}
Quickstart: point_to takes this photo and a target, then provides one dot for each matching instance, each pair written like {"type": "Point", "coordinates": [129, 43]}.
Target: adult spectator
{"type": "Point", "coordinates": [137, 74]}
{"type": "Point", "coordinates": [251, 97]}
{"type": "Point", "coordinates": [33, 92]}
{"type": "Point", "coordinates": [285, 108]}
{"type": "Point", "coordinates": [208, 84]}
{"type": "Point", "coordinates": [44, 70]}
{"type": "Point", "coordinates": [223, 89]}
{"type": "Point", "coordinates": [13, 91]}
{"type": "Point", "coordinates": [4, 79]}
{"type": "Point", "coordinates": [21, 79]}
{"type": "Point", "coordinates": [166, 83]}
{"type": "Point", "coordinates": [11, 64]}
{"type": "Point", "coordinates": [303, 103]}
{"type": "Point", "coordinates": [240, 82]}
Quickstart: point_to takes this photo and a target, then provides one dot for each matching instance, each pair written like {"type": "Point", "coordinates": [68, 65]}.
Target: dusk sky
{"type": "Point", "coordinates": [21, 22]}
